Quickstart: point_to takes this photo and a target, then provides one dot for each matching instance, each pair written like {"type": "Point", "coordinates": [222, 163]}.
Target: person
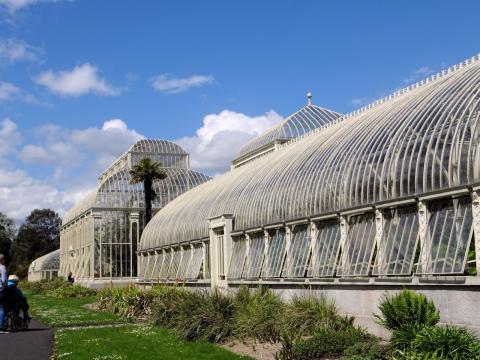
{"type": "Point", "coordinates": [3, 285]}
{"type": "Point", "coordinates": [70, 278]}
{"type": "Point", "coordinates": [15, 295]}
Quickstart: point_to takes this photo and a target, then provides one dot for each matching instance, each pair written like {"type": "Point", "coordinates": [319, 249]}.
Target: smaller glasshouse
{"type": "Point", "coordinates": [100, 234]}
{"type": "Point", "coordinates": [45, 267]}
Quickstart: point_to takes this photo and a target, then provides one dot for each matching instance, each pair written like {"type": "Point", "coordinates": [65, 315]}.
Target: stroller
{"type": "Point", "coordinates": [15, 308]}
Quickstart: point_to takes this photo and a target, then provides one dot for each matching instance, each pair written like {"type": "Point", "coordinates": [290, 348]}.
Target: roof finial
{"type": "Point", "coordinates": [309, 98]}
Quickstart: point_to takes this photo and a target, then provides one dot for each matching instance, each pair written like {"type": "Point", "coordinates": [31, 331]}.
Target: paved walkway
{"type": "Point", "coordinates": [32, 344]}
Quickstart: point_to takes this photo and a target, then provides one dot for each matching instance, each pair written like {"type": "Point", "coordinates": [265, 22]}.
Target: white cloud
{"type": "Point", "coordinates": [216, 143]}
{"type": "Point", "coordinates": [9, 92]}
{"type": "Point", "coordinates": [13, 50]}
{"type": "Point", "coordinates": [10, 137]}
{"type": "Point", "coordinates": [81, 80]}
{"type": "Point", "coordinates": [166, 83]}
{"type": "Point", "coordinates": [418, 74]}
{"type": "Point", "coordinates": [34, 154]}
{"type": "Point", "coordinates": [14, 5]}
{"type": "Point", "coordinates": [20, 194]}
{"type": "Point", "coordinates": [67, 148]}
{"type": "Point", "coordinates": [72, 158]}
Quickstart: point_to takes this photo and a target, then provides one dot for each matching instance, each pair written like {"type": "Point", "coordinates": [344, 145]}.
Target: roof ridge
{"type": "Point", "coordinates": [394, 95]}
{"type": "Point", "coordinates": [279, 128]}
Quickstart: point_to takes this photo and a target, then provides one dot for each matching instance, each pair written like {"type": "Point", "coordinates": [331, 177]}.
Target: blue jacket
{"type": "Point", "coordinates": [13, 289]}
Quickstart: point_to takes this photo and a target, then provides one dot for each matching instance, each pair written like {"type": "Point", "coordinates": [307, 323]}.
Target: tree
{"type": "Point", "coordinates": [7, 233]}
{"type": "Point", "coordinates": [146, 171]}
{"type": "Point", "coordinates": [39, 235]}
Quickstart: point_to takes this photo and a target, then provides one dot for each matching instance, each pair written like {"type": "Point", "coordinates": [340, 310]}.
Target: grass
{"type": "Point", "coordinates": [118, 340]}
{"type": "Point", "coordinates": [67, 312]}
{"type": "Point", "coordinates": [133, 342]}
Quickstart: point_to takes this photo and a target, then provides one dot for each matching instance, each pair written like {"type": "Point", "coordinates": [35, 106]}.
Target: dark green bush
{"type": "Point", "coordinates": [407, 309]}
{"type": "Point", "coordinates": [402, 338]}
{"type": "Point", "coordinates": [69, 291]}
{"type": "Point", "coordinates": [166, 305]}
{"type": "Point", "coordinates": [42, 287]}
{"type": "Point", "coordinates": [413, 355]}
{"type": "Point", "coordinates": [448, 342]}
{"type": "Point", "coordinates": [363, 351]}
{"type": "Point", "coordinates": [305, 315]}
{"type": "Point", "coordinates": [130, 302]}
{"type": "Point", "coordinates": [204, 315]}
{"type": "Point", "coordinates": [325, 343]}
{"type": "Point", "coordinates": [259, 314]}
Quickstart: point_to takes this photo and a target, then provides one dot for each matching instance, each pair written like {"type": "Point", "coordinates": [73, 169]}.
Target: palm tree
{"type": "Point", "coordinates": [146, 171]}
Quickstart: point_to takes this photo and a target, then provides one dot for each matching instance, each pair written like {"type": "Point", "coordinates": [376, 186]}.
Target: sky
{"type": "Point", "coordinates": [82, 80]}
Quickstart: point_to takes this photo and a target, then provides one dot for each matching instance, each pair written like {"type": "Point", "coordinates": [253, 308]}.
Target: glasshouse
{"type": "Point", "coordinates": [100, 234]}
{"type": "Point", "coordinates": [45, 267]}
{"type": "Point", "coordinates": [382, 198]}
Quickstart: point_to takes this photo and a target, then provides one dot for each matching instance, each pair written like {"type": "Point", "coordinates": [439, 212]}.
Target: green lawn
{"type": "Point", "coordinates": [133, 342]}
{"type": "Point", "coordinates": [67, 312]}
{"type": "Point", "coordinates": [118, 340]}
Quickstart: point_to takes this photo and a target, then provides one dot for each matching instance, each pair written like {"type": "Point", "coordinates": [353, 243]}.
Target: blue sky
{"type": "Point", "coordinates": [211, 74]}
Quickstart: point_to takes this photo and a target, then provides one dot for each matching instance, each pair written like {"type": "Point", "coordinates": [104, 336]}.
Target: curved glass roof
{"type": "Point", "coordinates": [305, 120]}
{"type": "Point", "coordinates": [117, 192]}
{"type": "Point", "coordinates": [156, 146]}
{"type": "Point", "coordinates": [114, 190]}
{"type": "Point", "coordinates": [420, 139]}
{"type": "Point", "coordinates": [50, 261]}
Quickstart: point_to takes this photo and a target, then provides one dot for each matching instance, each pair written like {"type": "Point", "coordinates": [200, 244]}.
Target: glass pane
{"type": "Point", "coordinates": [237, 260]}
{"type": "Point", "coordinates": [193, 270]}
{"type": "Point", "coordinates": [275, 255]}
{"type": "Point", "coordinates": [448, 236]}
{"type": "Point", "coordinates": [172, 271]}
{"type": "Point", "coordinates": [185, 261]}
{"type": "Point", "coordinates": [221, 255]}
{"type": "Point", "coordinates": [298, 254]}
{"type": "Point", "coordinates": [106, 261]}
{"type": "Point", "coordinates": [158, 265]}
{"type": "Point", "coordinates": [399, 242]}
{"type": "Point", "coordinates": [206, 261]}
{"type": "Point", "coordinates": [134, 248]}
{"type": "Point", "coordinates": [255, 257]}
{"type": "Point", "coordinates": [325, 249]}
{"type": "Point", "coordinates": [359, 245]}
{"type": "Point", "coordinates": [167, 259]}
{"type": "Point", "coordinates": [143, 265]}
{"type": "Point", "coordinates": [150, 265]}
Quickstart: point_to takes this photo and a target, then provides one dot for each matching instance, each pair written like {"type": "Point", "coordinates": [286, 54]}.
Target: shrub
{"type": "Point", "coordinates": [43, 286]}
{"type": "Point", "coordinates": [448, 342]}
{"type": "Point", "coordinates": [407, 309]}
{"type": "Point", "coordinates": [325, 343]}
{"type": "Point", "coordinates": [69, 291]}
{"type": "Point", "coordinates": [259, 314]}
{"type": "Point", "coordinates": [402, 338]}
{"type": "Point", "coordinates": [205, 315]}
{"type": "Point", "coordinates": [165, 305]}
{"type": "Point", "coordinates": [363, 351]}
{"type": "Point", "coordinates": [414, 355]}
{"type": "Point", "coordinates": [130, 302]}
{"type": "Point", "coordinates": [305, 315]}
